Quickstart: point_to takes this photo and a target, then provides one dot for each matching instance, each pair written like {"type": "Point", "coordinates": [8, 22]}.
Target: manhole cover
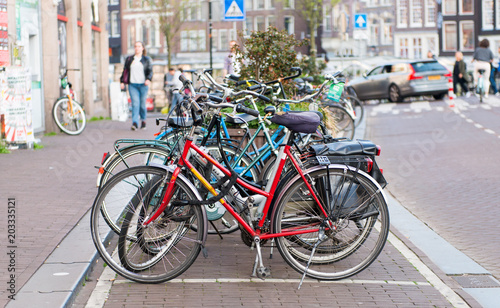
{"type": "Point", "coordinates": [477, 281]}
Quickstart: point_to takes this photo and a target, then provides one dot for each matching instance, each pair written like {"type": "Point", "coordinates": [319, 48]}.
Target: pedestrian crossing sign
{"type": "Point", "coordinates": [234, 10]}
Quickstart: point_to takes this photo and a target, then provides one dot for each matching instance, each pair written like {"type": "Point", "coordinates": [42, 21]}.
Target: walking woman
{"type": "Point", "coordinates": [482, 59]}
{"type": "Point", "coordinates": [137, 73]}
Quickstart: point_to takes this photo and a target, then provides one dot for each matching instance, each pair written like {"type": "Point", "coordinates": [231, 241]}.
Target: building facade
{"type": "Point", "coordinates": [416, 29]}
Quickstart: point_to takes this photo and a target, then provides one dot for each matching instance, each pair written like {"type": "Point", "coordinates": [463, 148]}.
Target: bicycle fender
{"type": "Point", "coordinates": [319, 167]}
{"type": "Point", "coordinates": [171, 168]}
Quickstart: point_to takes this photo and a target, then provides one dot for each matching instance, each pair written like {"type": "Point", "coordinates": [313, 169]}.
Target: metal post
{"type": "Point", "coordinates": [210, 30]}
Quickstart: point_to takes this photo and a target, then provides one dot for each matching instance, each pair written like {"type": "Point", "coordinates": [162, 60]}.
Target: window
{"type": "Point", "coordinates": [248, 25]}
{"type": "Point", "coordinates": [416, 13]}
{"type": "Point", "coordinates": [248, 5]}
{"type": "Point", "coordinates": [115, 24]}
{"type": "Point", "coordinates": [130, 4]}
{"type": "Point", "coordinates": [430, 16]}
{"type": "Point", "coordinates": [114, 1]}
{"type": "Point", "coordinates": [498, 13]}
{"type": "Point", "coordinates": [403, 48]}
{"type": "Point", "coordinates": [184, 41]}
{"type": "Point", "coordinates": [449, 7]}
{"type": "Point", "coordinates": [487, 14]}
{"type": "Point", "coordinates": [152, 39]}
{"type": "Point", "coordinates": [289, 24]}
{"type": "Point", "coordinates": [259, 23]}
{"type": "Point", "coordinates": [374, 33]}
{"type": "Point", "coordinates": [288, 4]}
{"type": "Point", "coordinates": [449, 36]}
{"type": "Point", "coordinates": [260, 4]}
{"type": "Point", "coordinates": [431, 44]}
{"type": "Point", "coordinates": [224, 41]}
{"type": "Point", "coordinates": [145, 33]}
{"type": "Point", "coordinates": [271, 21]}
{"type": "Point", "coordinates": [131, 34]}
{"type": "Point", "coordinates": [387, 32]}
{"type": "Point", "coordinates": [467, 36]}
{"type": "Point", "coordinates": [202, 40]}
{"type": "Point", "coordinates": [402, 13]}
{"type": "Point", "coordinates": [193, 40]}
{"type": "Point", "coordinates": [270, 4]}
{"type": "Point", "coordinates": [466, 6]}
{"type": "Point", "coordinates": [417, 48]}
{"type": "Point", "coordinates": [376, 71]}
{"type": "Point", "coordinates": [327, 18]}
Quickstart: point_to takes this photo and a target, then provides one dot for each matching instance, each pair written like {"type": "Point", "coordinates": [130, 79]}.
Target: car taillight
{"type": "Point", "coordinates": [449, 74]}
{"type": "Point", "coordinates": [104, 157]}
{"type": "Point", "coordinates": [412, 75]}
{"type": "Point", "coordinates": [379, 149]}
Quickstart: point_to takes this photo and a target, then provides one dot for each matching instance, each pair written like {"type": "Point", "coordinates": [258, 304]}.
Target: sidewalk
{"type": "Point", "coordinates": [55, 186]}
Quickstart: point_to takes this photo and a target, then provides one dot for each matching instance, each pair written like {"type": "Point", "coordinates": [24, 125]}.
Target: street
{"type": "Point", "coordinates": [441, 163]}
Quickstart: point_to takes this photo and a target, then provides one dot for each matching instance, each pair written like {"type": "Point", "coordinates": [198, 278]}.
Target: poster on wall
{"type": "Point", "coordinates": [4, 37]}
{"type": "Point", "coordinates": [16, 104]}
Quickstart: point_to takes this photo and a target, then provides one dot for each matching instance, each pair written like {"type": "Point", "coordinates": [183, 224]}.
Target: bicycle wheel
{"type": "Point", "coordinates": [167, 246]}
{"type": "Point", "coordinates": [357, 211]}
{"type": "Point", "coordinates": [70, 123]}
{"type": "Point", "coordinates": [338, 121]}
{"type": "Point", "coordinates": [357, 106]}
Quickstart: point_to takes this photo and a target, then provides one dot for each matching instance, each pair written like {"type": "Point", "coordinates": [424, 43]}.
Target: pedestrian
{"type": "Point", "coordinates": [493, 75]}
{"type": "Point", "coordinates": [482, 59]}
{"type": "Point", "coordinates": [460, 74]}
{"type": "Point", "coordinates": [430, 55]}
{"type": "Point", "coordinates": [175, 85]}
{"type": "Point", "coordinates": [167, 83]}
{"type": "Point", "coordinates": [230, 65]}
{"type": "Point", "coordinates": [137, 74]}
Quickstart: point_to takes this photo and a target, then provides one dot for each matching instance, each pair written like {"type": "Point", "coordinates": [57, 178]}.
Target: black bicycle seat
{"type": "Point", "coordinates": [481, 71]}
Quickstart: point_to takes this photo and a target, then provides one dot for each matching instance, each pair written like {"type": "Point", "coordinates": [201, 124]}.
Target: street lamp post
{"type": "Point", "coordinates": [210, 30]}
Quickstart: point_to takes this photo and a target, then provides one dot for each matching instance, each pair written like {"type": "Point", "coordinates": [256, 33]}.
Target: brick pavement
{"type": "Point", "coordinates": [391, 281]}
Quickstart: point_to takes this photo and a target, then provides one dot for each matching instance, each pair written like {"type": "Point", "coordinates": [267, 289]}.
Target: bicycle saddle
{"type": "Point", "coordinates": [481, 71]}
{"type": "Point", "coordinates": [317, 112]}
{"type": "Point", "coordinates": [180, 122]}
{"type": "Point", "coordinates": [240, 118]}
{"type": "Point", "coordinates": [300, 122]}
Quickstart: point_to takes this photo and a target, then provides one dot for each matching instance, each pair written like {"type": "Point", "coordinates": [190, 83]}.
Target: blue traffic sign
{"type": "Point", "coordinates": [360, 21]}
{"type": "Point", "coordinates": [234, 10]}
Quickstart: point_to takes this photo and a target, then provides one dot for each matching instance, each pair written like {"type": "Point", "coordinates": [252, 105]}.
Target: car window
{"type": "Point", "coordinates": [375, 71]}
{"type": "Point", "coordinates": [400, 67]}
{"type": "Point", "coordinates": [427, 66]}
{"type": "Point", "coordinates": [387, 69]}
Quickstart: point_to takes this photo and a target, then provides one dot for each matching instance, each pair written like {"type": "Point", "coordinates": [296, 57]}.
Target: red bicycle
{"type": "Point", "coordinates": [329, 221]}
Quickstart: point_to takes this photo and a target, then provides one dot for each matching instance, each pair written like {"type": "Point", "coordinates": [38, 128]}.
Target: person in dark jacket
{"type": "Point", "coordinates": [460, 74]}
{"type": "Point", "coordinates": [137, 73]}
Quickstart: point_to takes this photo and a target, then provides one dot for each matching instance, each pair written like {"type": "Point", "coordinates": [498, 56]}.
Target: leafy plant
{"type": "Point", "coordinates": [3, 148]}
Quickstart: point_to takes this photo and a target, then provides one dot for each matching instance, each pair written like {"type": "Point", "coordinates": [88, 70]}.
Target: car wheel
{"type": "Point", "coordinates": [394, 95]}
{"type": "Point", "coordinates": [439, 96]}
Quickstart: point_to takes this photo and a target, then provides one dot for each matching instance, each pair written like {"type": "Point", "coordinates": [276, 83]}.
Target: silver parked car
{"type": "Point", "coordinates": [400, 79]}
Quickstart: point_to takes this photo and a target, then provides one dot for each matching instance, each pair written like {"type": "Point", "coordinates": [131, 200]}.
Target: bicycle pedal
{"type": "Point", "coordinates": [263, 272]}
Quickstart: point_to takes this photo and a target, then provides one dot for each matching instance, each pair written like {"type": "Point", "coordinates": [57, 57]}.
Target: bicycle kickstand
{"type": "Point", "coordinates": [261, 271]}
{"type": "Point", "coordinates": [321, 238]}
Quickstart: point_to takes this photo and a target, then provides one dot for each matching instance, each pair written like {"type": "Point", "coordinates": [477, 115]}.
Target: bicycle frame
{"type": "Point", "coordinates": [268, 193]}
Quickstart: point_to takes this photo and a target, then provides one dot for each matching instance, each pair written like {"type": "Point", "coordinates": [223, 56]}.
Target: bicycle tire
{"type": "Point", "coordinates": [361, 222]}
{"type": "Point", "coordinates": [120, 191]}
{"type": "Point", "coordinates": [359, 109]}
{"type": "Point", "coordinates": [338, 121]}
{"type": "Point", "coordinates": [134, 156]}
{"type": "Point", "coordinates": [69, 124]}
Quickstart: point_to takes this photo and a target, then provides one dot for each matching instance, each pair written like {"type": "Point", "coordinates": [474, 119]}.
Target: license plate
{"type": "Point", "coordinates": [434, 77]}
